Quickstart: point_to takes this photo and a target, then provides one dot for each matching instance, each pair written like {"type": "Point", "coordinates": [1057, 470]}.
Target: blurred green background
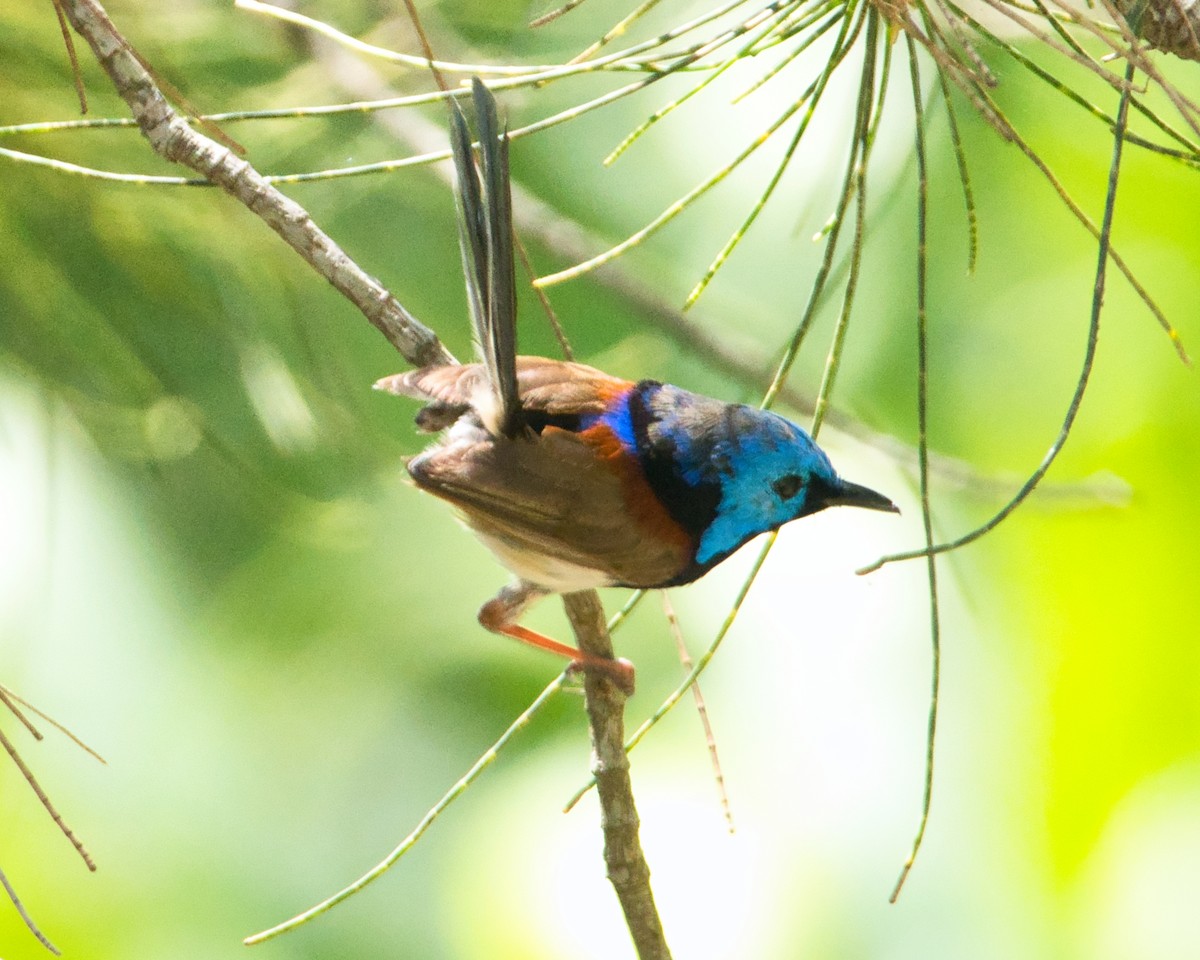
{"type": "Point", "coordinates": [211, 568]}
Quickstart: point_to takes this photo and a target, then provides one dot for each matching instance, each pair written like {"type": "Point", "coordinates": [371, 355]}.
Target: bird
{"type": "Point", "coordinates": [576, 479]}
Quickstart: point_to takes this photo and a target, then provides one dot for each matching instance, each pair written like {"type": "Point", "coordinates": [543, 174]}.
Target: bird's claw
{"type": "Point", "coordinates": [618, 670]}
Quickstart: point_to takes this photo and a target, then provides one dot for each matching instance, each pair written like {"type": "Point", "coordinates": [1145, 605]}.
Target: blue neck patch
{"type": "Point", "coordinates": [618, 419]}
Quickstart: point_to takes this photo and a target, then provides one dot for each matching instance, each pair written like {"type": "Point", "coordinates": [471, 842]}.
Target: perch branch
{"type": "Point", "coordinates": [623, 857]}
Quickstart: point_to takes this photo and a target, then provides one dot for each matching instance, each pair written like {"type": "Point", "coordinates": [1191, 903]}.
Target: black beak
{"type": "Point", "coordinates": [848, 494]}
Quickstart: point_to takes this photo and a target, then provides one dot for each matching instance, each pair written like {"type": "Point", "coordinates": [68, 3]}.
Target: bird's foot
{"type": "Point", "coordinates": [619, 671]}
{"type": "Point", "coordinates": [498, 616]}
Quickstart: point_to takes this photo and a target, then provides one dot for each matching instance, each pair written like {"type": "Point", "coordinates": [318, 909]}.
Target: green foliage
{"type": "Point", "coordinates": [213, 571]}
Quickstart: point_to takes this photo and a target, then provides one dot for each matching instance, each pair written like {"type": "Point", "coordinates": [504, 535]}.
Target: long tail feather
{"type": "Point", "coordinates": [486, 243]}
{"type": "Point", "coordinates": [472, 241]}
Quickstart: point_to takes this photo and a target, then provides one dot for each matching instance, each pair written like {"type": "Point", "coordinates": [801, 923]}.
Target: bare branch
{"type": "Point", "coordinates": [171, 137]}
{"type": "Point", "coordinates": [627, 869]}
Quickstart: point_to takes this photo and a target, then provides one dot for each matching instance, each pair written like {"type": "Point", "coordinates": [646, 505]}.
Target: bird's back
{"type": "Point", "coordinates": [566, 505]}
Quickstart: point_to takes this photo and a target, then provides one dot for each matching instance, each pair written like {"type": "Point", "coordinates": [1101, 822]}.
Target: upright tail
{"type": "Point", "coordinates": [485, 238]}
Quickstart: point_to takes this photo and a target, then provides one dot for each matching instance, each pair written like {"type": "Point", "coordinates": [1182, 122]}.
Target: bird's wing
{"type": "Point", "coordinates": [555, 497]}
{"type": "Point", "coordinates": [546, 386]}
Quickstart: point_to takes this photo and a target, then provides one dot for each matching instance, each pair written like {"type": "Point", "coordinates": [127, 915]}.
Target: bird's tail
{"type": "Point", "coordinates": [485, 238]}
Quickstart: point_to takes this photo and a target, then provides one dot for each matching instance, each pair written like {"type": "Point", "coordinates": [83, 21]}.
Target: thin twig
{"type": "Point", "coordinates": [14, 703]}
{"type": "Point", "coordinates": [9, 697]}
{"type": "Point", "coordinates": [69, 43]}
{"type": "Point", "coordinates": [426, 46]}
{"type": "Point", "coordinates": [425, 823]}
{"type": "Point", "coordinates": [1104, 235]}
{"type": "Point", "coordinates": [9, 701]}
{"type": "Point", "coordinates": [564, 342]}
{"type": "Point", "coordinates": [844, 42]}
{"type": "Point", "coordinates": [710, 739]}
{"type": "Point", "coordinates": [935, 622]}
{"type": "Point", "coordinates": [554, 14]}
{"type": "Point", "coordinates": [46, 802]}
{"type": "Point", "coordinates": [860, 155]}
{"type": "Point", "coordinates": [24, 915]}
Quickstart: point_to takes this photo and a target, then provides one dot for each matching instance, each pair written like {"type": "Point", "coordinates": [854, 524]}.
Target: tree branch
{"type": "Point", "coordinates": [171, 137]}
{"type": "Point", "coordinates": [627, 869]}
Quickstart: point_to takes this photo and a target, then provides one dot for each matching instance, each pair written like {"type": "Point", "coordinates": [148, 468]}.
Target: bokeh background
{"type": "Point", "coordinates": [211, 569]}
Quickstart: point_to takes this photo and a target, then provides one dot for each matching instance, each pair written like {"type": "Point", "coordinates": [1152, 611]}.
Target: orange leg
{"type": "Point", "coordinates": [499, 614]}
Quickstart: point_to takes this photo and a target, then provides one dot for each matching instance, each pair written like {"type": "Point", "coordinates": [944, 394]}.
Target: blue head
{"type": "Point", "coordinates": [728, 472]}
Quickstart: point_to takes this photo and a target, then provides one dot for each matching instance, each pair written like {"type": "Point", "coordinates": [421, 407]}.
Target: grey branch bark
{"type": "Point", "coordinates": [623, 857]}
{"type": "Point", "coordinates": [172, 137]}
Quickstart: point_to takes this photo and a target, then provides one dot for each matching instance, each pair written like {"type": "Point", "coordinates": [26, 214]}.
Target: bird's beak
{"type": "Point", "coordinates": [853, 495]}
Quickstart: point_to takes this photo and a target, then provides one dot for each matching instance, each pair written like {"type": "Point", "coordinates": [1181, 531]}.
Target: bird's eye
{"type": "Point", "coordinates": [788, 485]}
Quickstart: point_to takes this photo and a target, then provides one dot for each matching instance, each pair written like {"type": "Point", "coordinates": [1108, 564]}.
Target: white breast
{"type": "Point", "coordinates": [557, 576]}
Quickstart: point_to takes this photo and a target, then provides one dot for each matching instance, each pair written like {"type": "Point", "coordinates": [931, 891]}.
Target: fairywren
{"type": "Point", "coordinates": [576, 479]}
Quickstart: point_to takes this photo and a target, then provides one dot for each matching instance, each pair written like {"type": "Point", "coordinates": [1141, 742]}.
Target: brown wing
{"type": "Point", "coordinates": [553, 496]}
{"type": "Point", "coordinates": [551, 386]}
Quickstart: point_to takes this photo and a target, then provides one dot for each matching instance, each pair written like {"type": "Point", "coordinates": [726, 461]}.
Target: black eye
{"type": "Point", "coordinates": [788, 485]}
